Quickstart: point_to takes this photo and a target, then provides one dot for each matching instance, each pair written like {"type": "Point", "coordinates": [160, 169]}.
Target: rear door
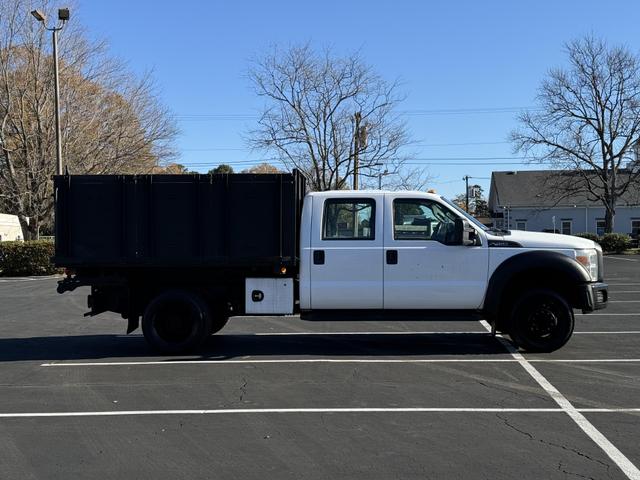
{"type": "Point", "coordinates": [347, 251]}
{"type": "Point", "coordinates": [420, 270]}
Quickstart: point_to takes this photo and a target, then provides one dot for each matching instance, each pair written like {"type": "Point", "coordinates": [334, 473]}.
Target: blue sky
{"type": "Point", "coordinates": [453, 56]}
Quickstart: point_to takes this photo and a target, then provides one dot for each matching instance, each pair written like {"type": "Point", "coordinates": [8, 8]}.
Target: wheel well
{"type": "Point", "coordinates": [216, 297]}
{"type": "Point", "coordinates": [556, 280]}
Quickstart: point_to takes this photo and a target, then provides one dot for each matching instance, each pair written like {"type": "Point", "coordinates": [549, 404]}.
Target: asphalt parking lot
{"type": "Point", "coordinates": [283, 398]}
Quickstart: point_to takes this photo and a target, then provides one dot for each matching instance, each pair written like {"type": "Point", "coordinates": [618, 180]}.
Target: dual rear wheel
{"type": "Point", "coordinates": [178, 321]}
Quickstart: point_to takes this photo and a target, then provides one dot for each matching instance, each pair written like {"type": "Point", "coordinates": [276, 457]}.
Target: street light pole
{"type": "Point", "coordinates": [57, 102]}
{"type": "Point", "coordinates": [63, 18]}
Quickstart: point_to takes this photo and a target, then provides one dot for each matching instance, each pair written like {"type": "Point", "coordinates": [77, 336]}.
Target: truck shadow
{"type": "Point", "coordinates": [232, 346]}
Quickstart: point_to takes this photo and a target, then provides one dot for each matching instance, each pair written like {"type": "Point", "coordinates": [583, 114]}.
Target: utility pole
{"type": "Point", "coordinates": [466, 192]}
{"type": "Point", "coordinates": [356, 147]}
{"type": "Point", "coordinates": [380, 175]}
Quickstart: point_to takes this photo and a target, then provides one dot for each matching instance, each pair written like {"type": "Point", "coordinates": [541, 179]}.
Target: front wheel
{"type": "Point", "coordinates": [541, 321]}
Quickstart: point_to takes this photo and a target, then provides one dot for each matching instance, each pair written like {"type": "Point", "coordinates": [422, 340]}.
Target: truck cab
{"type": "Point", "coordinates": [418, 251]}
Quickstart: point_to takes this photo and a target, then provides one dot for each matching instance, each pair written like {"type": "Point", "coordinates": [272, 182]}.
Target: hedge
{"type": "Point", "coordinates": [26, 258]}
{"type": "Point", "coordinates": [615, 242]}
{"type": "Point", "coordinates": [610, 242]}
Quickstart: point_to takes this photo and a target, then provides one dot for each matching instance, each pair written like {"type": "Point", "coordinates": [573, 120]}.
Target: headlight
{"type": "Point", "coordinates": [589, 260]}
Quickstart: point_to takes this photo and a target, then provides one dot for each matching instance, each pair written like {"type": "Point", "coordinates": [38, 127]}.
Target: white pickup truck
{"type": "Point", "coordinates": [334, 252]}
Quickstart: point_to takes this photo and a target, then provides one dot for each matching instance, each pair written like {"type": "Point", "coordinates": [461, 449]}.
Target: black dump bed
{"type": "Point", "coordinates": [177, 220]}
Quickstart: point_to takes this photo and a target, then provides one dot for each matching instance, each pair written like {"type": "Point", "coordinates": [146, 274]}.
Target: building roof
{"type": "Point", "coordinates": [6, 219]}
{"type": "Point", "coordinates": [547, 188]}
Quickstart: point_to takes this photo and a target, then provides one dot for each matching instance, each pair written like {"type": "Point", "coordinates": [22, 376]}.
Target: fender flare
{"type": "Point", "coordinates": [558, 265]}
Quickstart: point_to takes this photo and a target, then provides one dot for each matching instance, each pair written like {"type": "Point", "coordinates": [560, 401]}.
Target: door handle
{"type": "Point", "coordinates": [392, 257]}
{"type": "Point", "coordinates": [318, 257]}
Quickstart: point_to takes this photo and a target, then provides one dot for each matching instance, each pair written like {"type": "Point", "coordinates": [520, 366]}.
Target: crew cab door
{"type": "Point", "coordinates": [421, 271]}
{"type": "Point", "coordinates": [346, 258]}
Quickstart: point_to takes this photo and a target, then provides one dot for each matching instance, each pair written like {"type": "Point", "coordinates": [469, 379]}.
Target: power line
{"type": "Point", "coordinates": [461, 144]}
{"type": "Point", "coordinates": [214, 149]}
{"type": "Point", "coordinates": [414, 112]}
{"type": "Point", "coordinates": [443, 160]}
{"type": "Point", "coordinates": [240, 149]}
{"type": "Point", "coordinates": [468, 111]}
{"type": "Point", "coordinates": [421, 164]}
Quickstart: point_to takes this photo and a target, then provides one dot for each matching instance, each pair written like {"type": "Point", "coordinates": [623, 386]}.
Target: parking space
{"type": "Point", "coordinates": [285, 398]}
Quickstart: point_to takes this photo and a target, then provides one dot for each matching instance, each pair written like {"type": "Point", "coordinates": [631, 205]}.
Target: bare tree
{"type": "Point", "coordinates": [111, 122]}
{"type": "Point", "coordinates": [263, 168]}
{"type": "Point", "coordinates": [323, 112]}
{"type": "Point", "coordinates": [587, 124]}
{"type": "Point", "coordinates": [401, 177]}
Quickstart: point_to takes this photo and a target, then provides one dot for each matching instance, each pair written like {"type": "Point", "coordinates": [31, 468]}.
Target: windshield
{"type": "Point", "coordinates": [466, 215]}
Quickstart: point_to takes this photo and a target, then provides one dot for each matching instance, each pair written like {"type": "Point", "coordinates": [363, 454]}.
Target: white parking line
{"type": "Point", "coordinates": [336, 360]}
{"type": "Point", "coordinates": [629, 469]}
{"type": "Point", "coordinates": [624, 301]}
{"type": "Point", "coordinates": [245, 411]}
{"type": "Point", "coordinates": [620, 258]}
{"type": "Point", "coordinates": [379, 332]}
{"type": "Point", "coordinates": [607, 314]}
{"type": "Point", "coordinates": [622, 284]}
{"type": "Point", "coordinates": [27, 279]}
{"type": "Point", "coordinates": [432, 332]}
{"type": "Point", "coordinates": [604, 332]}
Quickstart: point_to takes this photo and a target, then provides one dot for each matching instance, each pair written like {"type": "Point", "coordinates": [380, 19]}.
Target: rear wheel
{"type": "Point", "coordinates": [219, 315]}
{"type": "Point", "coordinates": [218, 322]}
{"type": "Point", "coordinates": [541, 321]}
{"type": "Point", "coordinates": [176, 321]}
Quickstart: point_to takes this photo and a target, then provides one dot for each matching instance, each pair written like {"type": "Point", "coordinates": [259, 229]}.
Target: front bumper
{"type": "Point", "coordinates": [593, 296]}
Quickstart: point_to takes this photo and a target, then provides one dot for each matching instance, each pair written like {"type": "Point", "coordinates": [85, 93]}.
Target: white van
{"type": "Point", "coordinates": [10, 229]}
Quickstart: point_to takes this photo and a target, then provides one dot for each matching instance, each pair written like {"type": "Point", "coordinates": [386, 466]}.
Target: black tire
{"type": "Point", "coordinates": [218, 322]}
{"type": "Point", "coordinates": [219, 315]}
{"type": "Point", "coordinates": [176, 321]}
{"type": "Point", "coordinates": [541, 321]}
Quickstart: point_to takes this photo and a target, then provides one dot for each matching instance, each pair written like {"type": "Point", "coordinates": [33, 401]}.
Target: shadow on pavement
{"type": "Point", "coordinates": [221, 346]}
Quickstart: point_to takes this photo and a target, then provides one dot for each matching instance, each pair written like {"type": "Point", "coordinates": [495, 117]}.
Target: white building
{"type": "Point", "coordinates": [10, 229]}
{"type": "Point", "coordinates": [523, 201]}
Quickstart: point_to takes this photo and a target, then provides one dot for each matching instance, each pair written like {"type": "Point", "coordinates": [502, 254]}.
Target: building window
{"type": "Point", "coordinates": [635, 227]}
{"type": "Point", "coordinates": [349, 219]}
{"type": "Point", "coordinates": [600, 223]}
{"type": "Point", "coordinates": [566, 226]}
{"type": "Point", "coordinates": [521, 224]}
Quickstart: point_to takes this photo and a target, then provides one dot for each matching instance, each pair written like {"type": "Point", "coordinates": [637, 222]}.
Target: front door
{"type": "Point", "coordinates": [420, 270]}
{"type": "Point", "coordinates": [346, 256]}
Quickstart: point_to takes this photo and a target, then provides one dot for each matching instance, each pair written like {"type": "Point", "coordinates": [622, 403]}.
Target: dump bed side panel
{"type": "Point", "coordinates": [177, 220]}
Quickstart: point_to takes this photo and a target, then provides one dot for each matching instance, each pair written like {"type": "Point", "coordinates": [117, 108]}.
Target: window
{"type": "Point", "coordinates": [566, 226]}
{"type": "Point", "coordinates": [635, 227]}
{"type": "Point", "coordinates": [349, 219]}
{"type": "Point", "coordinates": [422, 220]}
{"type": "Point", "coordinates": [600, 226]}
{"type": "Point", "coordinates": [521, 224]}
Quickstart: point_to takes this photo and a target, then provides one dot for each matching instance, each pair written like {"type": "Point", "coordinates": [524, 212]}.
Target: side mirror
{"type": "Point", "coordinates": [464, 234]}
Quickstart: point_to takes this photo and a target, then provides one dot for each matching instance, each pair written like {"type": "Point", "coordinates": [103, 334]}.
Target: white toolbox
{"type": "Point", "coordinates": [269, 295]}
